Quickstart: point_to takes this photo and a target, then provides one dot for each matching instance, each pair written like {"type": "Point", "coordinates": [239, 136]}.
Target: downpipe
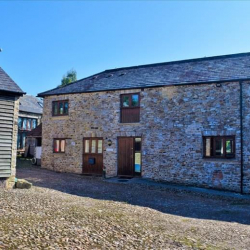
{"type": "Point", "coordinates": [241, 142]}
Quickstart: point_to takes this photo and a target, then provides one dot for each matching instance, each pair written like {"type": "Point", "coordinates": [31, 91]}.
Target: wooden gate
{"type": "Point", "coordinates": [93, 156]}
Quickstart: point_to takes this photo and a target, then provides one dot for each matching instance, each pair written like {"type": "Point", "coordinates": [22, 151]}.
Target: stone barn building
{"type": "Point", "coordinates": [182, 122]}
{"type": "Point", "coordinates": [9, 106]}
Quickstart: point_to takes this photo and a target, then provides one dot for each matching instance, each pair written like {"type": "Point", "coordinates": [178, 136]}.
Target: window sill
{"type": "Point", "coordinates": [63, 117]}
{"type": "Point", "coordinates": [226, 160]}
{"type": "Point", "coordinates": [130, 123]}
{"type": "Point", "coordinates": [58, 154]}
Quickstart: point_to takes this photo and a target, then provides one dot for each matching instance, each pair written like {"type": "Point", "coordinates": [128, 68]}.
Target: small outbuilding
{"type": "Point", "coordinates": [10, 93]}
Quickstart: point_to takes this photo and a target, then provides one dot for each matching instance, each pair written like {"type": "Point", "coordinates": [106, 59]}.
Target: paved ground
{"type": "Point", "coordinates": [71, 211]}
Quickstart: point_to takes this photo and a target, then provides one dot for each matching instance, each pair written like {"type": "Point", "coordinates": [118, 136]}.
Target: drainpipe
{"type": "Point", "coordinates": [241, 141]}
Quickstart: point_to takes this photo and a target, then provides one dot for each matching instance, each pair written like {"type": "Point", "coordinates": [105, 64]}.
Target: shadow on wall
{"type": "Point", "coordinates": [181, 203]}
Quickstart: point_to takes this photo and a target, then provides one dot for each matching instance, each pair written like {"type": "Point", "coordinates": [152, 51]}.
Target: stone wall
{"type": "Point", "coordinates": [172, 122]}
{"type": "Point", "coordinates": [246, 136]}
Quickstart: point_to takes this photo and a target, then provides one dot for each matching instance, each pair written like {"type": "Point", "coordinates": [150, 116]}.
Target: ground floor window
{"type": "Point", "coordinates": [219, 146]}
{"type": "Point", "coordinates": [21, 140]}
{"type": "Point", "coordinates": [59, 145]}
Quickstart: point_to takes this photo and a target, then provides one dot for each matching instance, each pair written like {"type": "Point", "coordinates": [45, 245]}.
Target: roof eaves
{"type": "Point", "coordinates": [154, 86]}
{"type": "Point", "coordinates": [42, 94]}
{"type": "Point", "coordinates": [16, 93]}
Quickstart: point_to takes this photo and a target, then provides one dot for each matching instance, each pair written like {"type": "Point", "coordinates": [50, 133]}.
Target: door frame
{"type": "Point", "coordinates": [83, 152]}
{"type": "Point", "coordinates": [135, 174]}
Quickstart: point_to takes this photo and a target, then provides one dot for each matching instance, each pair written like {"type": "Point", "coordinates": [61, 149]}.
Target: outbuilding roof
{"type": "Point", "coordinates": [195, 71]}
{"type": "Point", "coordinates": [8, 85]}
{"type": "Point", "coordinates": [31, 104]}
{"type": "Point", "coordinates": [36, 132]}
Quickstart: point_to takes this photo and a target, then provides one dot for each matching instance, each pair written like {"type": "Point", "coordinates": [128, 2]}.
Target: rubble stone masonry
{"type": "Point", "coordinates": [173, 120]}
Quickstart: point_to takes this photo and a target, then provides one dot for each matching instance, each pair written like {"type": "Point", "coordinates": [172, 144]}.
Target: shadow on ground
{"type": "Point", "coordinates": [165, 200]}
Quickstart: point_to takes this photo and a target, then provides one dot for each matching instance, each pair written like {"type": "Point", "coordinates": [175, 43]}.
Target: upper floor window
{"type": "Point", "coordinates": [59, 145]}
{"type": "Point", "coordinates": [26, 123]}
{"type": "Point", "coordinates": [60, 108]}
{"type": "Point", "coordinates": [130, 108]}
{"type": "Point", "coordinates": [219, 146]}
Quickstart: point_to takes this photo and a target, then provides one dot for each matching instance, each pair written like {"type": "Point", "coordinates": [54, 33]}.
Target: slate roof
{"type": "Point", "coordinates": [7, 84]}
{"type": "Point", "coordinates": [194, 71]}
{"type": "Point", "coordinates": [36, 132]}
{"type": "Point", "coordinates": [31, 104]}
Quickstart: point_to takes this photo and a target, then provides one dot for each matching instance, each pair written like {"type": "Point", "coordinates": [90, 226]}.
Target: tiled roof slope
{"type": "Point", "coordinates": [31, 104]}
{"type": "Point", "coordinates": [202, 70]}
{"type": "Point", "coordinates": [7, 84]}
{"type": "Point", "coordinates": [36, 132]}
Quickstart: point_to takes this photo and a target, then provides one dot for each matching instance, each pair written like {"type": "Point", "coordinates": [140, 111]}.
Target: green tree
{"type": "Point", "coordinates": [68, 78]}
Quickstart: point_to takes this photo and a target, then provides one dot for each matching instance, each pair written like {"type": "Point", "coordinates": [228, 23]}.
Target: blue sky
{"type": "Point", "coordinates": [42, 40]}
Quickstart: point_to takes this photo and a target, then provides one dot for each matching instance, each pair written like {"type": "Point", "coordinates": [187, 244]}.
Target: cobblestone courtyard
{"type": "Point", "coordinates": [66, 211]}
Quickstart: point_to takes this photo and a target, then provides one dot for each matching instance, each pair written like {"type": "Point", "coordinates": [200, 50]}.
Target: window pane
{"type": "Point", "coordinates": [19, 141]}
{"type": "Point", "coordinates": [99, 147]}
{"type": "Point", "coordinates": [23, 140]}
{"type": "Point", "coordinates": [229, 146]}
{"type": "Point", "coordinates": [56, 145]}
{"type": "Point", "coordinates": [138, 162]}
{"type": "Point", "coordinates": [66, 108]}
{"type": "Point", "coordinates": [61, 108]}
{"type": "Point", "coordinates": [135, 100]}
{"type": "Point", "coordinates": [28, 123]}
{"type": "Point", "coordinates": [55, 111]}
{"type": "Point", "coordinates": [125, 101]}
{"type": "Point", "coordinates": [86, 146]}
{"type": "Point", "coordinates": [93, 146]}
{"type": "Point", "coordinates": [62, 145]}
{"type": "Point", "coordinates": [24, 123]}
{"type": "Point", "coordinates": [137, 144]}
{"type": "Point", "coordinates": [20, 123]}
{"type": "Point", "coordinates": [219, 147]}
{"type": "Point", "coordinates": [208, 147]}
{"type": "Point", "coordinates": [34, 123]}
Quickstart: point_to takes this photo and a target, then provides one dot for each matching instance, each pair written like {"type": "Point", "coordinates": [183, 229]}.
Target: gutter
{"type": "Point", "coordinates": [11, 93]}
{"type": "Point", "coordinates": [241, 141]}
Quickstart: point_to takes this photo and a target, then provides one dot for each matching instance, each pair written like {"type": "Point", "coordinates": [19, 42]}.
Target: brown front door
{"type": "Point", "coordinates": [92, 156]}
{"type": "Point", "coordinates": [126, 156]}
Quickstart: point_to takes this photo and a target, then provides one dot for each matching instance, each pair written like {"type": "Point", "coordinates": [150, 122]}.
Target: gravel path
{"type": "Point", "coordinates": [66, 211]}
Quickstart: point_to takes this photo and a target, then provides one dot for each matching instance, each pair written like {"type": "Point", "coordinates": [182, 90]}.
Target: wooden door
{"type": "Point", "coordinates": [125, 156]}
{"type": "Point", "coordinates": [93, 156]}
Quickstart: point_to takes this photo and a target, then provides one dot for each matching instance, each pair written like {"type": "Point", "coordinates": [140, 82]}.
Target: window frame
{"type": "Point", "coordinates": [138, 151]}
{"type": "Point", "coordinates": [130, 105]}
{"type": "Point", "coordinates": [90, 139]}
{"type": "Point", "coordinates": [59, 139]}
{"type": "Point", "coordinates": [58, 107]}
{"type": "Point", "coordinates": [22, 128]}
{"type": "Point", "coordinates": [213, 147]}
